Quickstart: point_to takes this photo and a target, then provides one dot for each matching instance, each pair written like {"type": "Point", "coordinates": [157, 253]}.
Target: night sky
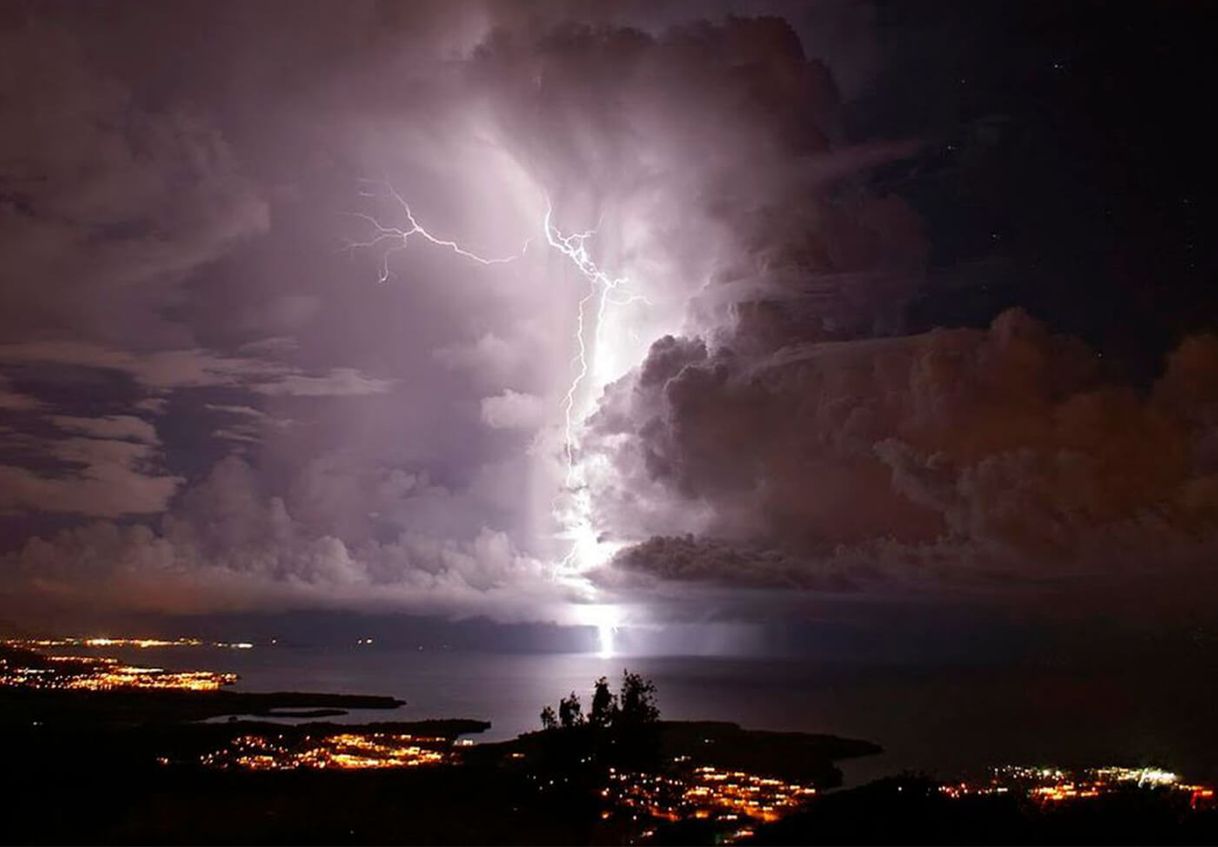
{"type": "Point", "coordinates": [896, 316]}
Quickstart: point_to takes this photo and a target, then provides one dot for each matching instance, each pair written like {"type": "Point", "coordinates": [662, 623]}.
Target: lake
{"type": "Point", "coordinates": [941, 720]}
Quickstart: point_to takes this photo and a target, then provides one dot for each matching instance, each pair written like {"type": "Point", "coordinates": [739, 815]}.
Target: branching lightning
{"type": "Point", "coordinates": [601, 287]}
{"type": "Point", "coordinates": [604, 288]}
{"type": "Point", "coordinates": [402, 235]}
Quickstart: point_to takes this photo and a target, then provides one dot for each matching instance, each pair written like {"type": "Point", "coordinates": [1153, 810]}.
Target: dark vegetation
{"type": "Point", "coordinates": [633, 707]}
{"type": "Point", "coordinates": [621, 730]}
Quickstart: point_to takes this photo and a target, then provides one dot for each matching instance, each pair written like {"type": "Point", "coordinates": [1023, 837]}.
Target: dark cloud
{"type": "Point", "coordinates": [11, 400]}
{"type": "Point", "coordinates": [954, 455]}
{"type": "Point", "coordinates": [165, 370]}
{"type": "Point", "coordinates": [106, 202]}
{"type": "Point", "coordinates": [117, 473]}
{"type": "Point", "coordinates": [114, 427]}
{"type": "Point", "coordinates": [686, 558]}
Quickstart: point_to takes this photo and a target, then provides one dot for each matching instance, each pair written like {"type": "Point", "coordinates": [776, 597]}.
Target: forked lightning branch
{"type": "Point", "coordinates": [604, 290]}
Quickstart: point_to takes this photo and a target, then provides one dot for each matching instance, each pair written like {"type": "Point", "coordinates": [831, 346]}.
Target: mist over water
{"type": "Point", "coordinates": [943, 719]}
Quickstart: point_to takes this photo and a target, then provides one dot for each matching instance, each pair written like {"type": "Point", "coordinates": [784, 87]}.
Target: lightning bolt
{"type": "Point", "coordinates": [603, 288]}
{"type": "Point", "coordinates": [402, 235]}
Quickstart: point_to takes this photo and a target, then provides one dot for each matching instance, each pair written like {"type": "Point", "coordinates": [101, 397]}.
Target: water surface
{"type": "Point", "coordinates": [940, 720]}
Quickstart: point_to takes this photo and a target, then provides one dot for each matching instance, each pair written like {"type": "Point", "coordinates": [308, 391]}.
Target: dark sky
{"type": "Point", "coordinates": [893, 312]}
{"type": "Point", "coordinates": [1069, 155]}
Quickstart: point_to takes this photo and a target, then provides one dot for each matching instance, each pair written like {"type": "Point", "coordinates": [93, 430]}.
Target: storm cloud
{"type": "Point", "coordinates": [210, 400]}
{"type": "Point", "coordinates": [949, 457]}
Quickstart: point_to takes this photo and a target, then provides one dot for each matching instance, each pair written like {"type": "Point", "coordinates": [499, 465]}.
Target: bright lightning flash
{"type": "Point", "coordinates": [575, 518]}
{"type": "Point", "coordinates": [601, 287]}
{"type": "Point", "coordinates": [605, 633]}
{"type": "Point", "coordinates": [606, 619]}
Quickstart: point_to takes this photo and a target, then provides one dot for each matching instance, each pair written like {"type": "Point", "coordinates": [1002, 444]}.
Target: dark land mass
{"type": "Point", "coordinates": [152, 705]}
{"type": "Point", "coordinates": [910, 809]}
{"type": "Point", "coordinates": [126, 767]}
{"type": "Point", "coordinates": [27, 705]}
{"type": "Point", "coordinates": [792, 756]}
{"type": "Point", "coordinates": [303, 713]}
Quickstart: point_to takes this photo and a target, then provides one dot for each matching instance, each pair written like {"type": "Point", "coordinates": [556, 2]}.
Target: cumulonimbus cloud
{"type": "Point", "coordinates": [954, 455]}
{"type": "Point", "coordinates": [773, 424]}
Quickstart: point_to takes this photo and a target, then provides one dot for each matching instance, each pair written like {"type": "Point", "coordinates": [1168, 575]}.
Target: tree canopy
{"type": "Point", "coordinates": [634, 705]}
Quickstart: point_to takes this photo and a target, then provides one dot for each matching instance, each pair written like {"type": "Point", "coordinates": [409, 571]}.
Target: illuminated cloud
{"type": "Point", "coordinates": [514, 410]}
{"type": "Point", "coordinates": [239, 411]}
{"type": "Point", "coordinates": [339, 382]}
{"type": "Point", "coordinates": [707, 156]}
{"type": "Point", "coordinates": [114, 427]}
{"type": "Point", "coordinates": [763, 420]}
{"type": "Point", "coordinates": [98, 477]}
{"type": "Point", "coordinates": [247, 423]}
{"type": "Point", "coordinates": [226, 545]}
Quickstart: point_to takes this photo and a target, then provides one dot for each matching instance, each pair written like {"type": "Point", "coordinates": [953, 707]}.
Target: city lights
{"type": "Point", "coordinates": [1048, 785]}
{"type": "Point", "coordinates": [345, 751]}
{"type": "Point", "coordinates": [707, 792]}
{"type": "Point", "coordinates": [103, 641]}
{"type": "Point", "coordinates": [102, 673]}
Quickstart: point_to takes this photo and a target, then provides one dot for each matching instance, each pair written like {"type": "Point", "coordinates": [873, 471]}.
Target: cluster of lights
{"type": "Point", "coordinates": [125, 676]}
{"type": "Point", "coordinates": [1057, 785]}
{"type": "Point", "coordinates": [89, 673]}
{"type": "Point", "coordinates": [341, 751]}
{"type": "Point", "coordinates": [143, 643]}
{"type": "Point", "coordinates": [707, 792]}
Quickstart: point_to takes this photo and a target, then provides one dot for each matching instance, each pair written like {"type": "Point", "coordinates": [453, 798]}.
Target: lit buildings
{"type": "Point", "coordinates": [346, 751]}
{"type": "Point", "coordinates": [92, 673]}
{"type": "Point", "coordinates": [1057, 785]}
{"type": "Point", "coordinates": [707, 792]}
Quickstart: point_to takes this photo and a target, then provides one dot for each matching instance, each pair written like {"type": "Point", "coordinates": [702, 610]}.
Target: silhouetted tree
{"type": "Point", "coordinates": [604, 705]}
{"type": "Point", "coordinates": [637, 702]}
{"type": "Point", "coordinates": [548, 718]}
{"type": "Point", "coordinates": [636, 729]}
{"type": "Point", "coordinates": [570, 713]}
